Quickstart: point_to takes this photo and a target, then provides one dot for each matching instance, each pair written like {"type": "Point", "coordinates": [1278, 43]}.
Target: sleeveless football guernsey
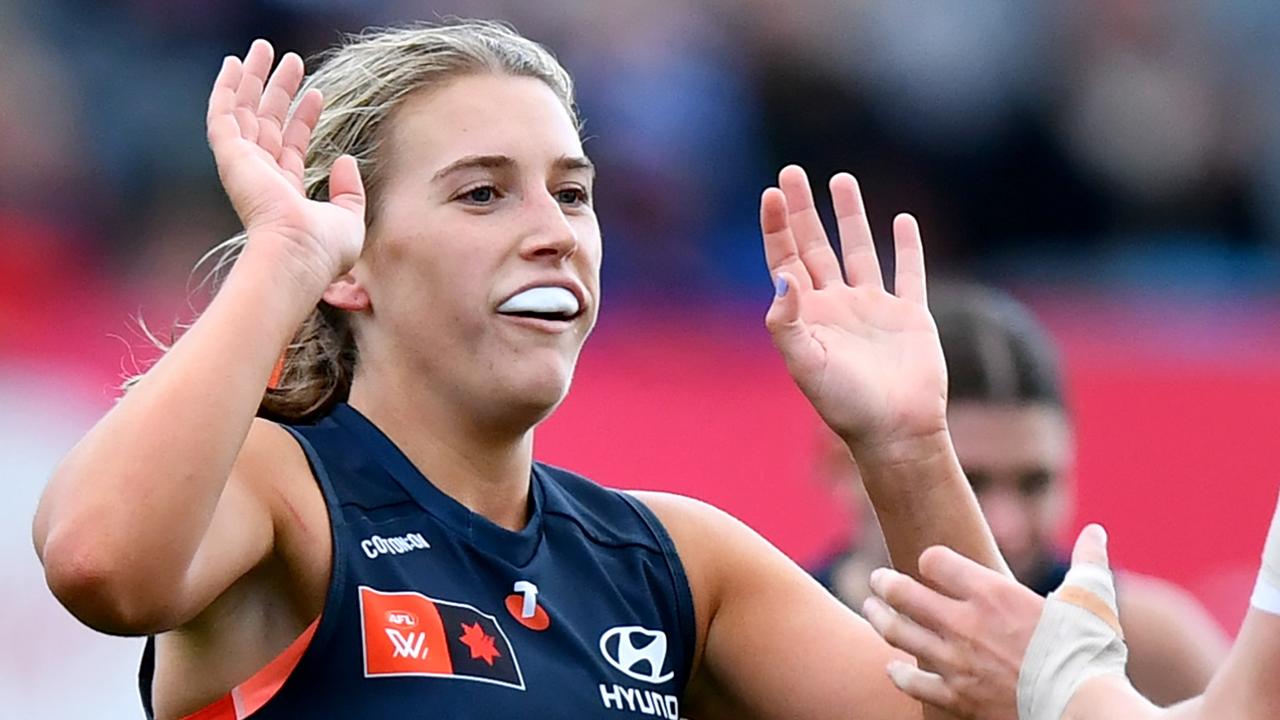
{"type": "Point", "coordinates": [432, 611]}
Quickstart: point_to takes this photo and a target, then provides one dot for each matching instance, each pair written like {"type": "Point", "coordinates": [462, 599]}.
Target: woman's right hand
{"type": "Point", "coordinates": [260, 152]}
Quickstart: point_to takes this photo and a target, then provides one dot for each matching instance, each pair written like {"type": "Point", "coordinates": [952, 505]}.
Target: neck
{"type": "Point", "coordinates": [486, 471]}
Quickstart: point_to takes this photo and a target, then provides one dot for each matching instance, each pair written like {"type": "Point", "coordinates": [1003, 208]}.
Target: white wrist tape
{"type": "Point", "coordinates": [1078, 637]}
{"type": "Point", "coordinates": [1266, 594]}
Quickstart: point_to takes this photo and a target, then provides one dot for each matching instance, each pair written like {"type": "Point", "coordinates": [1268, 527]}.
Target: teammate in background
{"type": "Point", "coordinates": [1000, 652]}
{"type": "Point", "coordinates": [363, 532]}
{"type": "Point", "coordinates": [1012, 430]}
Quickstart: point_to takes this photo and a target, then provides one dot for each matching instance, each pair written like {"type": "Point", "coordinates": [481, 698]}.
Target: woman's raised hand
{"type": "Point", "coordinates": [869, 360]}
{"type": "Point", "coordinates": [260, 151]}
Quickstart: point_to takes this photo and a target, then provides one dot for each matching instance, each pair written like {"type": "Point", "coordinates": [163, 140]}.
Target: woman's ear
{"type": "Point", "coordinates": [348, 293]}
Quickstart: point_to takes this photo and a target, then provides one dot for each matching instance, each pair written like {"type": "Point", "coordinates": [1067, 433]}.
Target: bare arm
{"type": "Point", "coordinates": [129, 527]}
{"type": "Point", "coordinates": [772, 642]}
{"type": "Point", "coordinates": [975, 627]}
{"type": "Point", "coordinates": [1244, 688]}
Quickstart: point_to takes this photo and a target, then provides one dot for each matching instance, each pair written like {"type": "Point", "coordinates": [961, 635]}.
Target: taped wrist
{"type": "Point", "coordinates": [1078, 637]}
{"type": "Point", "coordinates": [1266, 593]}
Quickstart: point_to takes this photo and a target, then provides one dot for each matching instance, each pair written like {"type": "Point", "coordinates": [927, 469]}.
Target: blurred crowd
{"type": "Point", "coordinates": [1115, 142]}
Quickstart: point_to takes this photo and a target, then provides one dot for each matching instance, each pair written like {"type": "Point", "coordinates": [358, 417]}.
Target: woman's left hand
{"type": "Point", "coordinates": [869, 360]}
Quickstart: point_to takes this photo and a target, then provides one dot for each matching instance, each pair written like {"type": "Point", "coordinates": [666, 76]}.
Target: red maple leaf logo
{"type": "Point", "coordinates": [481, 645]}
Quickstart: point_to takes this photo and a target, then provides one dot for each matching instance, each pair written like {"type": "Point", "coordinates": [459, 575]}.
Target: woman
{"type": "Point", "coordinates": [424, 216]}
{"type": "Point", "coordinates": [1011, 426]}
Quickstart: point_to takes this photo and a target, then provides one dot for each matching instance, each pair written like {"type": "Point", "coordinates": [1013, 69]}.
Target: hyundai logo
{"type": "Point", "coordinates": [638, 652]}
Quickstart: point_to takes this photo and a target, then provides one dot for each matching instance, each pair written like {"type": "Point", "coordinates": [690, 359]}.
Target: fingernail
{"type": "Point", "coordinates": [897, 673]}
{"type": "Point", "coordinates": [780, 286]}
{"type": "Point", "coordinates": [876, 577]}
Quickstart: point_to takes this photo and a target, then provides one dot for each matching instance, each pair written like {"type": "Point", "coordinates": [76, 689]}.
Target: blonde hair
{"type": "Point", "coordinates": [363, 81]}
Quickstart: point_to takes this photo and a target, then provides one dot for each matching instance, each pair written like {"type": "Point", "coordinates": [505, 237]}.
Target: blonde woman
{"type": "Point", "coordinates": [357, 528]}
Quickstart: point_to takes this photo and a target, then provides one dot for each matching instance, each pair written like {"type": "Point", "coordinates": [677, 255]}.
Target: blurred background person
{"type": "Point", "coordinates": [1013, 433]}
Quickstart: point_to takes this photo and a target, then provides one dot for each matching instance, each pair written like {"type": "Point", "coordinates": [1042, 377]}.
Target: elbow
{"type": "Point", "coordinates": [98, 590]}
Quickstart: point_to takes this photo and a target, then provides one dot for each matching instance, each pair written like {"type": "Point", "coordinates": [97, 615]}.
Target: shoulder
{"type": "Point", "coordinates": [1174, 645]}
{"type": "Point", "coordinates": [605, 515]}
{"type": "Point", "coordinates": [700, 530]}
{"type": "Point", "coordinates": [274, 468]}
{"type": "Point", "coordinates": [271, 463]}
{"type": "Point", "coordinates": [1150, 600]}
{"type": "Point", "coordinates": [267, 448]}
{"type": "Point", "coordinates": [721, 554]}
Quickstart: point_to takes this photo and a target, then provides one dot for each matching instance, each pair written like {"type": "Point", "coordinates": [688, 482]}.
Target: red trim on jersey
{"type": "Point", "coordinates": [250, 695]}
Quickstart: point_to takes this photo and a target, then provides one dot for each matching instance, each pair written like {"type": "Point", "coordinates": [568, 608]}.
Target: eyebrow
{"type": "Point", "coordinates": [495, 162]}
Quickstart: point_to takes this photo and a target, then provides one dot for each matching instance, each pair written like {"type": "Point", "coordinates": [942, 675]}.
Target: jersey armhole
{"type": "Point", "coordinates": [683, 592]}
{"type": "Point", "coordinates": [249, 696]}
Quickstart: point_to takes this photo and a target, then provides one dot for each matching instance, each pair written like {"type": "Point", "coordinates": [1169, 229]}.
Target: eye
{"type": "Point", "coordinates": [573, 196]}
{"type": "Point", "coordinates": [1034, 483]}
{"type": "Point", "coordinates": [479, 195]}
{"type": "Point", "coordinates": [978, 480]}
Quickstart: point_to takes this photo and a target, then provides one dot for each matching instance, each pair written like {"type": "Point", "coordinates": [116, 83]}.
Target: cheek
{"type": "Point", "coordinates": [1046, 512]}
{"type": "Point", "coordinates": [590, 245]}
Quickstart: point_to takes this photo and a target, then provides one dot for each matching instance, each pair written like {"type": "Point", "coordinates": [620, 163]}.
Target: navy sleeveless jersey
{"type": "Point", "coordinates": [433, 611]}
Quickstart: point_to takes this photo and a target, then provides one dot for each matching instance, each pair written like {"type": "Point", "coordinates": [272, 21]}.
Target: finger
{"type": "Point", "coordinates": [780, 252]}
{"type": "Point", "coordinates": [297, 134]}
{"type": "Point", "coordinates": [273, 109]}
{"type": "Point", "coordinates": [783, 318]}
{"type": "Point", "coordinates": [907, 596]}
{"type": "Point", "coordinates": [346, 189]}
{"type": "Point", "coordinates": [860, 263]}
{"type": "Point", "coordinates": [1091, 547]}
{"type": "Point", "coordinates": [257, 63]}
{"type": "Point", "coordinates": [908, 260]}
{"type": "Point", "coordinates": [955, 575]}
{"type": "Point", "coordinates": [811, 240]}
{"type": "Point", "coordinates": [904, 633]}
{"type": "Point", "coordinates": [220, 120]}
{"type": "Point", "coordinates": [923, 686]}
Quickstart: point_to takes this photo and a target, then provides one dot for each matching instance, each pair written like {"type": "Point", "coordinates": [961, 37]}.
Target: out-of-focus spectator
{"type": "Point", "coordinates": [1012, 431]}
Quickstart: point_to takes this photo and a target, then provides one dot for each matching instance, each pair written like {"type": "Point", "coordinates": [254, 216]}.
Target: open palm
{"type": "Point", "coordinates": [261, 149]}
{"type": "Point", "coordinates": [869, 361]}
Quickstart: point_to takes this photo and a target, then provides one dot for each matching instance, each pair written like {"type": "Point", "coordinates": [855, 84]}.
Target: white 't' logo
{"type": "Point", "coordinates": [409, 645]}
{"type": "Point", "coordinates": [625, 655]}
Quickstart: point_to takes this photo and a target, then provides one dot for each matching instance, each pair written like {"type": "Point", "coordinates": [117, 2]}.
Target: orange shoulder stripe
{"type": "Point", "coordinates": [250, 695]}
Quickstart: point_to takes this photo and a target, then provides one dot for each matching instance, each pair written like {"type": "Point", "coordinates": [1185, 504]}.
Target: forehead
{"type": "Point", "coordinates": [997, 438]}
{"type": "Point", "coordinates": [486, 114]}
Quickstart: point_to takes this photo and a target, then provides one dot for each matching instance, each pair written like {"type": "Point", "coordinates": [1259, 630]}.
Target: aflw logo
{"type": "Point", "coordinates": [408, 645]}
{"type": "Point", "coordinates": [378, 545]}
{"type": "Point", "coordinates": [404, 641]}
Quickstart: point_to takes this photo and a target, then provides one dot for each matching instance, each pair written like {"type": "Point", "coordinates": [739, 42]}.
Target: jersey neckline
{"type": "Point", "coordinates": [516, 547]}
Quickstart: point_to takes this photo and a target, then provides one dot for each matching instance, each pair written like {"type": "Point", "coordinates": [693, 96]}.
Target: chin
{"type": "Point", "coordinates": [530, 399]}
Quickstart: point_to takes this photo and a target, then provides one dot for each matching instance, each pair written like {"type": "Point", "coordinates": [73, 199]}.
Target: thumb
{"type": "Point", "coordinates": [346, 189]}
{"type": "Point", "coordinates": [783, 318]}
{"type": "Point", "coordinates": [1091, 547]}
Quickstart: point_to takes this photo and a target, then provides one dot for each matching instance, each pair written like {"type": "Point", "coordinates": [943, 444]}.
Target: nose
{"type": "Point", "coordinates": [549, 234]}
{"type": "Point", "coordinates": [1010, 521]}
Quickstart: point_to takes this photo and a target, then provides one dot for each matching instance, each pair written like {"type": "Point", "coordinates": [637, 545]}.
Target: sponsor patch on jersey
{"type": "Point", "coordinates": [408, 633]}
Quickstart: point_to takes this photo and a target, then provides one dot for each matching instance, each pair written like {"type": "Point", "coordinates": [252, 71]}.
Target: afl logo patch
{"type": "Point", "coordinates": [406, 633]}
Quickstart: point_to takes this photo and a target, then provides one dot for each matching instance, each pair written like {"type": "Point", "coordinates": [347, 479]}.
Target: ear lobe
{"type": "Point", "coordinates": [346, 293]}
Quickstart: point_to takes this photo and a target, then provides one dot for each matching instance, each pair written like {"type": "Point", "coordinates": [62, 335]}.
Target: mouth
{"type": "Point", "coordinates": [554, 304]}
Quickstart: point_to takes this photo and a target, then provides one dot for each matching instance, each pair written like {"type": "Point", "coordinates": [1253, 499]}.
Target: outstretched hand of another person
{"type": "Point", "coordinates": [971, 626]}
{"type": "Point", "coordinates": [868, 360]}
{"type": "Point", "coordinates": [260, 150]}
